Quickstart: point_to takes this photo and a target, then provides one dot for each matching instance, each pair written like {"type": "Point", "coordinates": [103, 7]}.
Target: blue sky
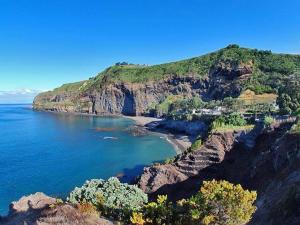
{"type": "Point", "coordinates": [44, 44]}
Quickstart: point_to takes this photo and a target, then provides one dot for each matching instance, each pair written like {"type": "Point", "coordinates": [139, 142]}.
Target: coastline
{"type": "Point", "coordinates": [179, 142]}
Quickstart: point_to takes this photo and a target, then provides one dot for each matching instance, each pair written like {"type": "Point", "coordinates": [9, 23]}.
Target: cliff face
{"type": "Point", "coordinates": [120, 98]}
{"type": "Point", "coordinates": [132, 89]}
{"type": "Point", "coordinates": [136, 98]}
{"type": "Point", "coordinates": [183, 174]}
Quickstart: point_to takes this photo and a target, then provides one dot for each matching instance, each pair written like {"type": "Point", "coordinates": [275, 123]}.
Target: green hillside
{"type": "Point", "coordinates": [269, 68]}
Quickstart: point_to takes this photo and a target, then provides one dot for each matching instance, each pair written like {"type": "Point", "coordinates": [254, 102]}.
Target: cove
{"type": "Point", "coordinates": [53, 153]}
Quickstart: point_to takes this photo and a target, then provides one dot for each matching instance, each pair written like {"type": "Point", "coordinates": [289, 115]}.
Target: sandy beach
{"type": "Point", "coordinates": [180, 142]}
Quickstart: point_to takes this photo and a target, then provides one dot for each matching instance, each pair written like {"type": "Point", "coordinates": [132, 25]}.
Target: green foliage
{"type": "Point", "coordinates": [160, 212]}
{"type": "Point", "coordinates": [268, 120]}
{"type": "Point", "coordinates": [217, 203]}
{"type": "Point", "coordinates": [111, 197]}
{"type": "Point", "coordinates": [170, 160]}
{"type": "Point", "coordinates": [196, 145]}
{"type": "Point", "coordinates": [264, 61]}
{"type": "Point", "coordinates": [296, 127]}
{"type": "Point", "coordinates": [233, 204]}
{"type": "Point", "coordinates": [71, 87]}
{"type": "Point", "coordinates": [234, 120]}
{"type": "Point", "coordinates": [164, 107]}
{"type": "Point", "coordinates": [289, 96]}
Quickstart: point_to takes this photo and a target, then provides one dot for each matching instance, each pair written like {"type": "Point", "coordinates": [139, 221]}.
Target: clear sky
{"type": "Point", "coordinates": [45, 43]}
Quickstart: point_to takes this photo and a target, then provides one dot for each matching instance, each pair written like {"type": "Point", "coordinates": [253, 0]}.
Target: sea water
{"type": "Point", "coordinates": [53, 153]}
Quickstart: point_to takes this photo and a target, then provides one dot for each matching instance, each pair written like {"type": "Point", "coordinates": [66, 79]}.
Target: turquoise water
{"type": "Point", "coordinates": [53, 153]}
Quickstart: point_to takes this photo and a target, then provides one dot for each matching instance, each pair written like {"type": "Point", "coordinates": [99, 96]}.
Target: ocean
{"type": "Point", "coordinates": [53, 153]}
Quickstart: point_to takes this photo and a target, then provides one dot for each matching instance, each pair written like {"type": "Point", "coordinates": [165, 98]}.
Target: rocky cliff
{"type": "Point", "coordinates": [187, 166]}
{"type": "Point", "coordinates": [132, 89]}
{"type": "Point", "coordinates": [271, 166]}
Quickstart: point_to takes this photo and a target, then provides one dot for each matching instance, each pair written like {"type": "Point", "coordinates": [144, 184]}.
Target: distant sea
{"type": "Point", "coordinates": [53, 153]}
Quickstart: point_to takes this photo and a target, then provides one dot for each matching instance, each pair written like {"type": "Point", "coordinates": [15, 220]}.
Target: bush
{"type": "Point", "coordinates": [196, 145]}
{"type": "Point", "coordinates": [159, 212]}
{"type": "Point", "coordinates": [233, 204]}
{"type": "Point", "coordinates": [289, 96]}
{"type": "Point", "coordinates": [111, 197]}
{"type": "Point", "coordinates": [170, 160]}
{"type": "Point", "coordinates": [217, 203]}
{"type": "Point", "coordinates": [268, 120]}
{"type": "Point", "coordinates": [296, 127]}
{"type": "Point", "coordinates": [231, 120]}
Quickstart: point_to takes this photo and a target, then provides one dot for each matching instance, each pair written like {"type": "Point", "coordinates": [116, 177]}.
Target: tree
{"type": "Point", "coordinates": [289, 96]}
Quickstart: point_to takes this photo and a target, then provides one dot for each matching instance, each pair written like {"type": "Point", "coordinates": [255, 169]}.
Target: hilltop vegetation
{"type": "Point", "coordinates": [269, 69]}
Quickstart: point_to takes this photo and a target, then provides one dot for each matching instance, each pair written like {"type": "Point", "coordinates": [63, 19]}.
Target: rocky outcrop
{"type": "Point", "coordinates": [271, 167]}
{"type": "Point", "coordinates": [227, 78]}
{"type": "Point", "coordinates": [125, 98]}
{"type": "Point", "coordinates": [275, 173]}
{"type": "Point", "coordinates": [193, 128]}
{"type": "Point", "coordinates": [159, 179]}
{"type": "Point", "coordinates": [35, 210]}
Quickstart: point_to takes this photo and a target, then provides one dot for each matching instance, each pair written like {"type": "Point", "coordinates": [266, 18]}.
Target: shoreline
{"type": "Point", "coordinates": [179, 142]}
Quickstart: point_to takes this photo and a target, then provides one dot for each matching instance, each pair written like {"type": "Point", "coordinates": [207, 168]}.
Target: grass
{"type": "Point", "coordinates": [71, 87]}
{"type": "Point", "coordinates": [269, 69]}
{"type": "Point", "coordinates": [227, 128]}
{"type": "Point", "coordinates": [249, 98]}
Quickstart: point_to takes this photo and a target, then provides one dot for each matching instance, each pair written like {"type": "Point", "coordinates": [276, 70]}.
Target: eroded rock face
{"type": "Point", "coordinates": [271, 167]}
{"type": "Point", "coordinates": [226, 79]}
{"type": "Point", "coordinates": [34, 210]}
{"type": "Point", "coordinates": [159, 179]}
{"type": "Point", "coordinates": [156, 177]}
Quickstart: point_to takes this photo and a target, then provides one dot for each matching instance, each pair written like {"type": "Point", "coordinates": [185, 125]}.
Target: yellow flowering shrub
{"type": "Point", "coordinates": [217, 203]}
{"type": "Point", "coordinates": [233, 204]}
{"type": "Point", "coordinates": [137, 218]}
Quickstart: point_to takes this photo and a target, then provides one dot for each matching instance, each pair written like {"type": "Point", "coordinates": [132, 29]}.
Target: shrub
{"type": "Point", "coordinates": [268, 120]}
{"type": "Point", "coordinates": [169, 160]}
{"type": "Point", "coordinates": [137, 218]}
{"type": "Point", "coordinates": [87, 208]}
{"type": "Point", "coordinates": [233, 119]}
{"type": "Point", "coordinates": [196, 145]}
{"type": "Point", "coordinates": [159, 212]}
{"type": "Point", "coordinates": [296, 127]}
{"type": "Point", "coordinates": [113, 198]}
{"type": "Point", "coordinates": [233, 204]}
{"type": "Point", "coordinates": [217, 203]}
